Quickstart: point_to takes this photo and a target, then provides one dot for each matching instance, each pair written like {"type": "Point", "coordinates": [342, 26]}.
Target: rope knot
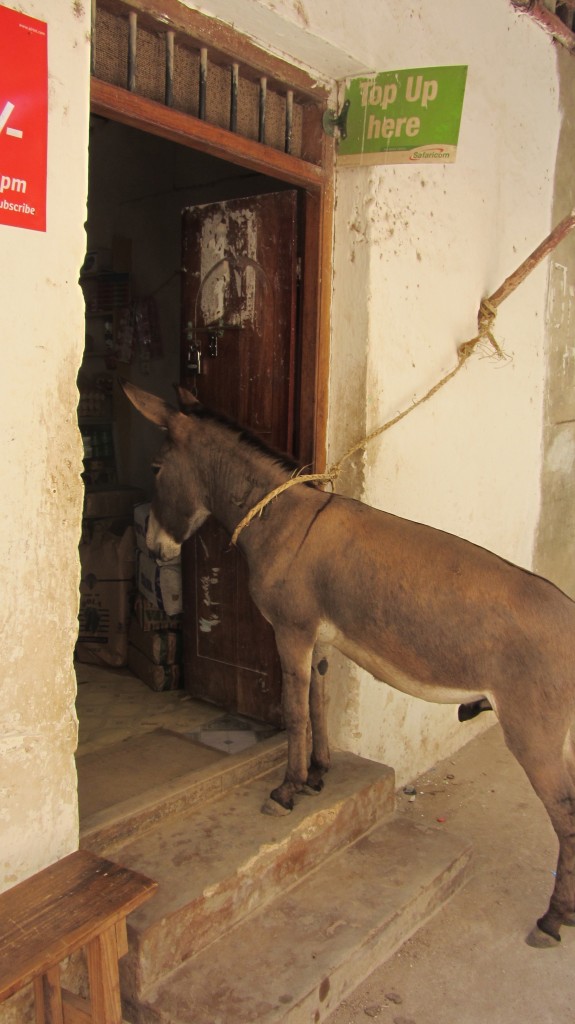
{"type": "Point", "coordinates": [486, 317]}
{"type": "Point", "coordinates": [485, 321]}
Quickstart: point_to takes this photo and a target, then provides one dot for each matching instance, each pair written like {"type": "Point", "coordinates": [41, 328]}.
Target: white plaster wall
{"type": "Point", "coordinates": [41, 341]}
{"type": "Point", "coordinates": [439, 238]}
{"type": "Point", "coordinates": [415, 249]}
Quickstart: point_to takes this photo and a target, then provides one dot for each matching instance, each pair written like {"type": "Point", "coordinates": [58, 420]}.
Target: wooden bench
{"type": "Point", "coordinates": [80, 902]}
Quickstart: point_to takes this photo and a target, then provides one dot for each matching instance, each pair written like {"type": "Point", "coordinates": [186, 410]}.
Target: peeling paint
{"type": "Point", "coordinates": [206, 625]}
{"type": "Point", "coordinates": [301, 12]}
{"type": "Point", "coordinates": [561, 453]}
{"type": "Point", "coordinates": [229, 250]}
{"type": "Point", "coordinates": [206, 583]}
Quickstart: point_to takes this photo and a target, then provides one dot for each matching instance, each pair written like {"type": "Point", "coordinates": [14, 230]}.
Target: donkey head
{"type": "Point", "coordinates": [178, 503]}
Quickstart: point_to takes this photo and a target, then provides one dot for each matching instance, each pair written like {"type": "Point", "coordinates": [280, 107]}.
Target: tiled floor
{"type": "Point", "coordinates": [130, 737]}
{"type": "Point", "coordinates": [112, 705]}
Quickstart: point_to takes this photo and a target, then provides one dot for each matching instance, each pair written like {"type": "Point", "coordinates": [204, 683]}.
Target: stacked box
{"type": "Point", "coordinates": [159, 582]}
{"type": "Point", "coordinates": [155, 656]}
{"type": "Point", "coordinates": [157, 677]}
{"type": "Point", "coordinates": [151, 619]}
{"type": "Point", "coordinates": [155, 638]}
{"type": "Point", "coordinates": [107, 560]}
{"type": "Point", "coordinates": [162, 646]}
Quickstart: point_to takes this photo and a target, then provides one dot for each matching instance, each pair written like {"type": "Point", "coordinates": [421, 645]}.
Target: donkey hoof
{"type": "Point", "coordinates": [276, 809]}
{"type": "Point", "coordinates": [542, 940]}
{"type": "Point", "coordinates": [569, 920]}
{"type": "Point", "coordinates": [313, 788]}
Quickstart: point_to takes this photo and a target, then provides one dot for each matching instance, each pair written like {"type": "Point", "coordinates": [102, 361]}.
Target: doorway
{"type": "Point", "coordinates": [150, 201]}
{"type": "Point", "coordinates": [148, 165]}
{"type": "Point", "coordinates": [139, 187]}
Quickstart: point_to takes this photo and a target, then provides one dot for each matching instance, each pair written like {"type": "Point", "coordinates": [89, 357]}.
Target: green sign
{"type": "Point", "coordinates": [409, 116]}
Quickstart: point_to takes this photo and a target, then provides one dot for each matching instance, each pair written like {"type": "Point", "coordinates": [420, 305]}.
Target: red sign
{"type": "Point", "coordinates": [23, 120]}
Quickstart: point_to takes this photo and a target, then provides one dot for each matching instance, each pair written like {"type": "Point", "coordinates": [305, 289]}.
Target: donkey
{"type": "Point", "coordinates": [422, 610]}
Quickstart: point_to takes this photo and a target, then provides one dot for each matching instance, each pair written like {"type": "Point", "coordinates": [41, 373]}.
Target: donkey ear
{"type": "Point", "coordinates": [152, 407]}
{"type": "Point", "coordinates": [186, 400]}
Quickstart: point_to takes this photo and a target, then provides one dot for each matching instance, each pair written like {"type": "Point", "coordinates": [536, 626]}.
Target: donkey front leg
{"type": "Point", "coordinates": [320, 755]}
{"type": "Point", "coordinates": [295, 654]}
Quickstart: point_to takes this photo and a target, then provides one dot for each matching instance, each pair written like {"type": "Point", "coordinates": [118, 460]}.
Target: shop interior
{"type": "Point", "coordinates": [139, 184]}
{"type": "Point", "coordinates": [131, 701]}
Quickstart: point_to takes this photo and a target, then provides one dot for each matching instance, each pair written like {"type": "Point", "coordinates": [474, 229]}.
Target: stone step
{"type": "Point", "coordinates": [296, 959]}
{"type": "Point", "coordinates": [224, 860]}
{"type": "Point", "coordinates": [106, 830]}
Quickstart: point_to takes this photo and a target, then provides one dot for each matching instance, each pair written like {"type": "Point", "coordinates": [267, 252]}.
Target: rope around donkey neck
{"type": "Point", "coordinates": [485, 322]}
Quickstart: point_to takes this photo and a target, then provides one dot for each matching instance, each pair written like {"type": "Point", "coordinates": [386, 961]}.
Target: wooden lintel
{"type": "Point", "coordinates": [138, 112]}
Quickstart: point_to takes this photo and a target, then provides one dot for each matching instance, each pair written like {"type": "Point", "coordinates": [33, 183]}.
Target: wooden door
{"type": "Point", "coordinates": [238, 355]}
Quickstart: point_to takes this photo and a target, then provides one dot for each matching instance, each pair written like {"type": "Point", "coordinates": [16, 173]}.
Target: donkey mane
{"type": "Point", "coordinates": [245, 436]}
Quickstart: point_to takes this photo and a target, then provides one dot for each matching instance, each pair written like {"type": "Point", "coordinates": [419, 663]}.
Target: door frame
{"type": "Point", "coordinates": [316, 183]}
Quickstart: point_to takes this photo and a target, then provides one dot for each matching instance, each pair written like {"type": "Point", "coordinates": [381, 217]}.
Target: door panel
{"type": "Point", "coordinates": [239, 317]}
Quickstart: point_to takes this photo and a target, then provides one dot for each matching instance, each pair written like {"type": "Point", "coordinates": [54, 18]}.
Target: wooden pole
{"type": "Point", "coordinates": [538, 254]}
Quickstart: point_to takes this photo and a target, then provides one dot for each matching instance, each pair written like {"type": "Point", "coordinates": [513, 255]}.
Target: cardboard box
{"type": "Point", "coordinates": [157, 677]}
{"type": "Point", "coordinates": [161, 646]}
{"type": "Point", "coordinates": [106, 586]}
{"type": "Point", "coordinates": [141, 516]}
{"type": "Point", "coordinates": [160, 583]}
{"type": "Point", "coordinates": [150, 618]}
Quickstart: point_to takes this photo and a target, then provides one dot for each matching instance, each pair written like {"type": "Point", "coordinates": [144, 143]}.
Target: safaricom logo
{"type": "Point", "coordinates": [429, 154]}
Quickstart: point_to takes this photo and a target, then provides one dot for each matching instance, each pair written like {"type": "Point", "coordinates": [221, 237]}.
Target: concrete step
{"type": "Point", "coordinates": [109, 829]}
{"type": "Point", "coordinates": [222, 861]}
{"type": "Point", "coordinates": [296, 959]}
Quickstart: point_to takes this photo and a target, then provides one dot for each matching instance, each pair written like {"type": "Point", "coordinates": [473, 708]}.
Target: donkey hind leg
{"type": "Point", "coordinates": [295, 655]}
{"type": "Point", "coordinates": [320, 755]}
{"type": "Point", "coordinates": [548, 760]}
